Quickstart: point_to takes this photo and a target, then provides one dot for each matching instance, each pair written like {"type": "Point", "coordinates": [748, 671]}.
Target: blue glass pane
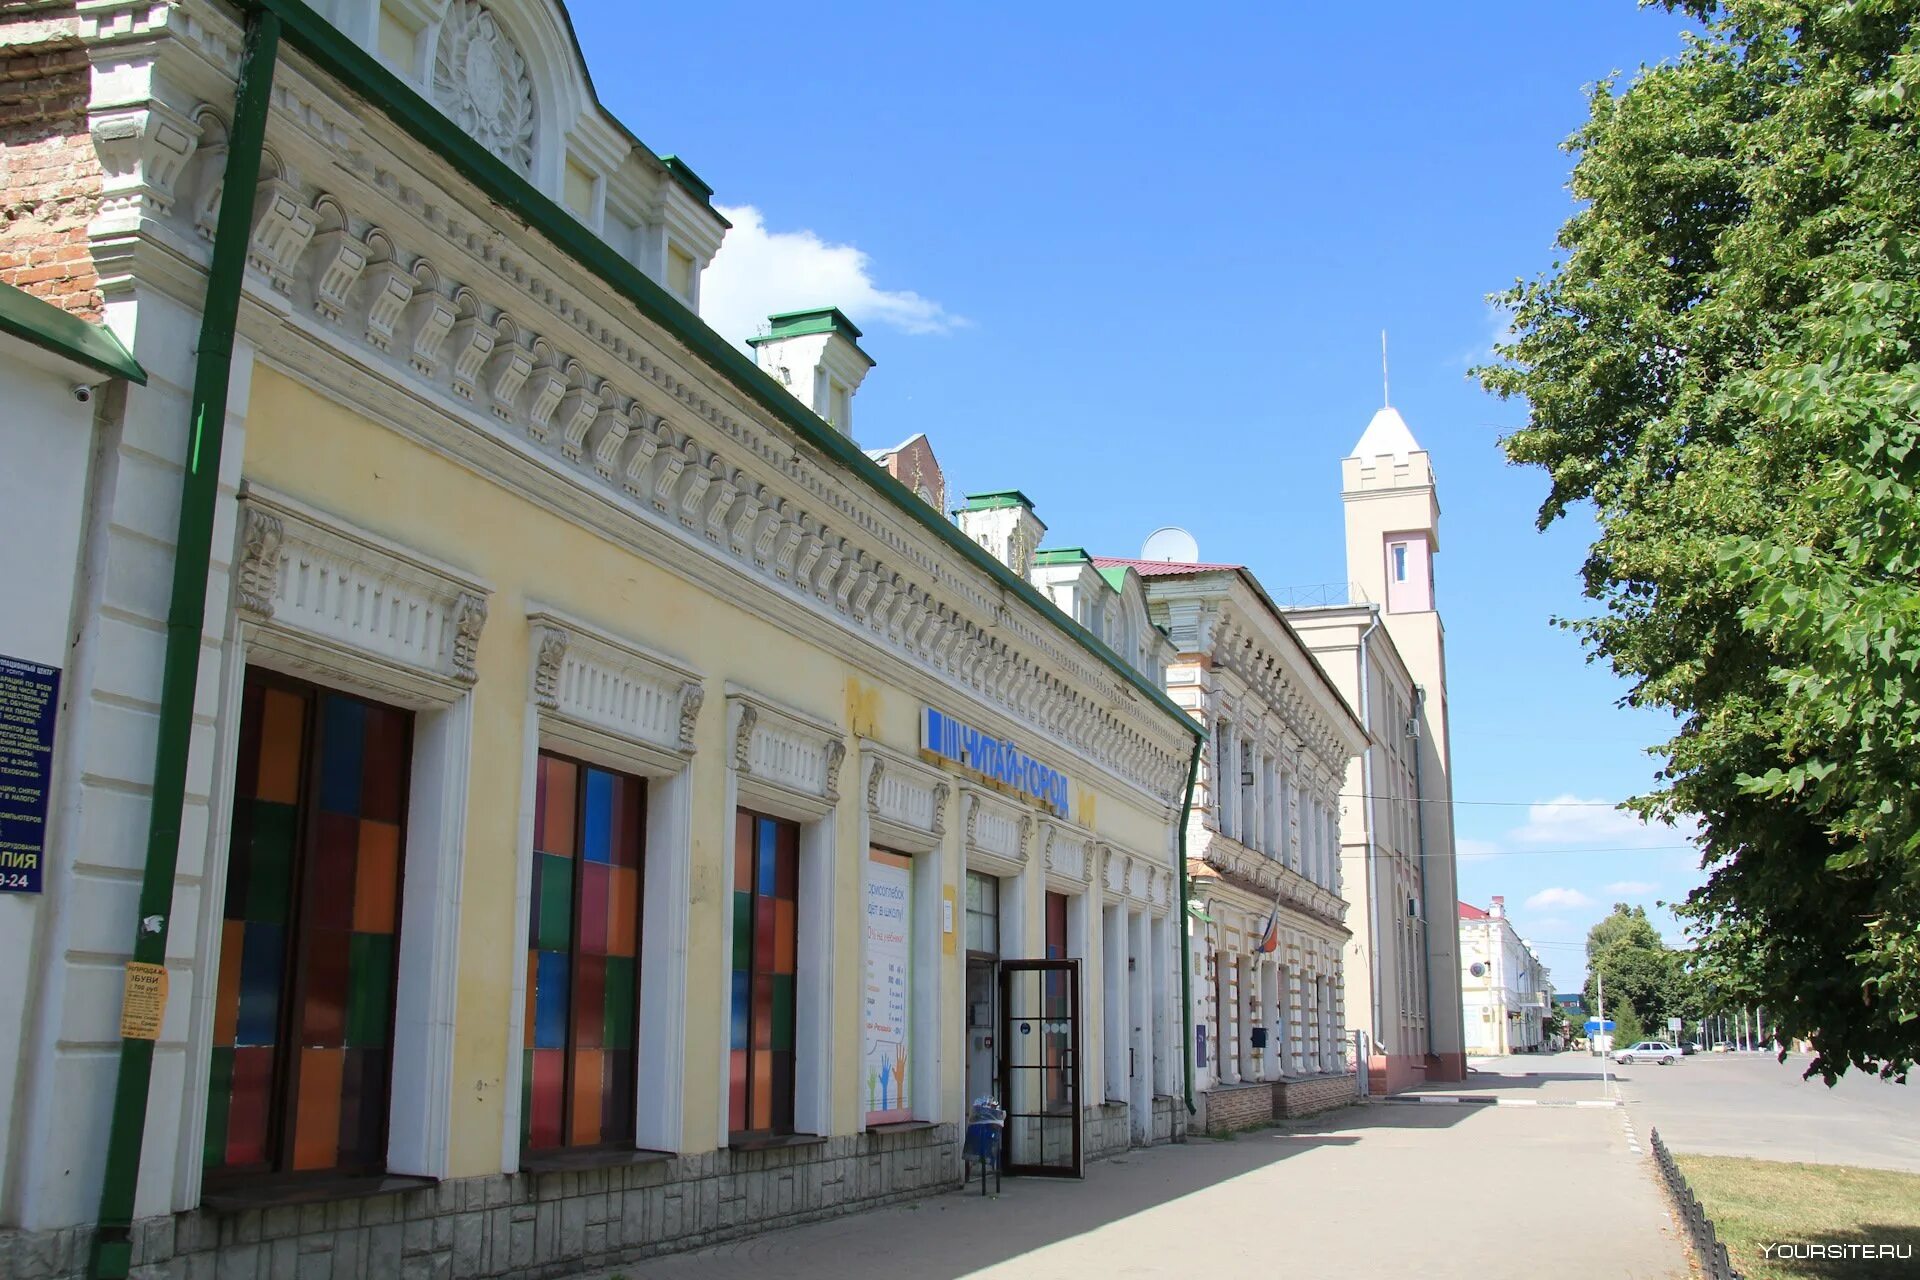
{"type": "Point", "coordinates": [766, 862]}
{"type": "Point", "coordinates": [341, 734]}
{"type": "Point", "coordinates": [599, 825]}
{"type": "Point", "coordinates": [742, 1001]}
{"type": "Point", "coordinates": [262, 951]}
{"type": "Point", "coordinates": [550, 1001]}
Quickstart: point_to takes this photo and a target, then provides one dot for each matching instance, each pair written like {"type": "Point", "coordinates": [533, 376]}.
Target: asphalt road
{"type": "Point", "coordinates": [1742, 1104]}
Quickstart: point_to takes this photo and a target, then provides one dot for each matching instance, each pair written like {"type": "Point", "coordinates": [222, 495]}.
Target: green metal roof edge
{"type": "Point", "coordinates": [46, 326]}
{"type": "Point", "coordinates": [998, 499]}
{"type": "Point", "coordinates": [681, 172]}
{"type": "Point", "coordinates": [323, 43]}
{"type": "Point", "coordinates": [586, 74]}
{"type": "Point", "coordinates": [798, 324]}
{"type": "Point", "coordinates": [1062, 555]}
{"type": "Point", "coordinates": [1116, 576]}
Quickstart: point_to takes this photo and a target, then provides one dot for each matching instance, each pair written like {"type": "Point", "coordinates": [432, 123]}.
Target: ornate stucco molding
{"type": "Point", "coordinates": [593, 679]}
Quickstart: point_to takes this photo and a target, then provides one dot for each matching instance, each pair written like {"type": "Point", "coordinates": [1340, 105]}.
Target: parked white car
{"type": "Point", "coordinates": [1647, 1051]}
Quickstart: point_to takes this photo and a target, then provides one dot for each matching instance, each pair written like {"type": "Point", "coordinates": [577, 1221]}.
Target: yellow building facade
{"type": "Point", "coordinates": [618, 814]}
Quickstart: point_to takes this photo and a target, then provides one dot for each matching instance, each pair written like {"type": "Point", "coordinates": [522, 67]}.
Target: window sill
{"type": "Point", "coordinates": [599, 1158]}
{"type": "Point", "coordinates": [271, 1193]}
{"type": "Point", "coordinates": [902, 1126]}
{"type": "Point", "coordinates": [775, 1142]}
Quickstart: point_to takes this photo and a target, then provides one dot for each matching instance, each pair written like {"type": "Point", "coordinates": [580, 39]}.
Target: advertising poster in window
{"type": "Point", "coordinates": [888, 1003]}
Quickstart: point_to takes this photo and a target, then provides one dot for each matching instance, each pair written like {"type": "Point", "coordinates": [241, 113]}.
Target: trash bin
{"type": "Point", "coordinates": [986, 1141]}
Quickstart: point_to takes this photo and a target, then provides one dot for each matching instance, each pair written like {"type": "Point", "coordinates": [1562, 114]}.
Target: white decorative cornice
{"type": "Point", "coordinates": [616, 687]}
{"type": "Point", "coordinates": [674, 459]}
{"type": "Point", "coordinates": [307, 573]}
{"type": "Point", "coordinates": [784, 753]}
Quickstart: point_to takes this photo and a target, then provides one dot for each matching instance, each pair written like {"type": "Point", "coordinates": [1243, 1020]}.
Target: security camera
{"type": "Point", "coordinates": [82, 392]}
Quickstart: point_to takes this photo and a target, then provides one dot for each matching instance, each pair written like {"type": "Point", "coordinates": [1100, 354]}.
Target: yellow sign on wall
{"type": "Point", "coordinates": [145, 1003]}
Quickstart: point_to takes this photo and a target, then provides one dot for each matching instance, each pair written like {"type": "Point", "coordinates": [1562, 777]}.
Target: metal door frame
{"type": "Point", "coordinates": [1071, 968]}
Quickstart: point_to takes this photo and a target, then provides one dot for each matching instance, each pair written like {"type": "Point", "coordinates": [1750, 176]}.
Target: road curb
{"type": "Point", "coordinates": [1447, 1099]}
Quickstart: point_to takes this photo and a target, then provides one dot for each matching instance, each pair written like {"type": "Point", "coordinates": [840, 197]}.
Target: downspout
{"type": "Point", "coordinates": [1186, 926]}
{"type": "Point", "coordinates": [1420, 829]}
{"type": "Point", "coordinates": [1366, 786]}
{"type": "Point", "coordinates": [111, 1255]}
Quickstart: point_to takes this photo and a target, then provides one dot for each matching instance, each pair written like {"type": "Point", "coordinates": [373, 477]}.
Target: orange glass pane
{"type": "Point", "coordinates": [283, 724]}
{"type": "Point", "coordinates": [226, 1000]}
{"type": "Point", "coordinates": [316, 1122]}
{"type": "Point", "coordinates": [561, 781]}
{"type": "Point", "coordinates": [623, 911]}
{"type": "Point", "coordinates": [785, 952]}
{"type": "Point", "coordinates": [588, 1089]}
{"type": "Point", "coordinates": [376, 882]}
{"type": "Point", "coordinates": [762, 1111]}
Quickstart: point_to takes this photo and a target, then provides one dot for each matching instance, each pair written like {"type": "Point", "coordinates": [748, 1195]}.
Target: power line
{"type": "Point", "coordinates": [1528, 853]}
{"type": "Point", "coordinates": [1502, 804]}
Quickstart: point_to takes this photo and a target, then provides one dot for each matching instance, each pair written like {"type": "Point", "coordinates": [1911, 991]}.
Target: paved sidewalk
{"type": "Point", "coordinates": [1433, 1191]}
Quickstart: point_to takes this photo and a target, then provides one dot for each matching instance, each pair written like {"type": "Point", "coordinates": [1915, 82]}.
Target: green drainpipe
{"type": "Point", "coordinates": [1186, 943]}
{"type": "Point", "coordinates": [112, 1253]}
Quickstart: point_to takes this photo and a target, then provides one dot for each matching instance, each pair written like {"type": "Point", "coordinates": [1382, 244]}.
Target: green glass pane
{"type": "Point", "coordinates": [369, 989]}
{"type": "Point", "coordinates": [556, 903]}
{"type": "Point", "coordinates": [219, 1097]}
{"type": "Point", "coordinates": [270, 860]}
{"type": "Point", "coordinates": [526, 1099]}
{"type": "Point", "coordinates": [782, 1011]}
{"type": "Point", "coordinates": [617, 1032]}
{"type": "Point", "coordinates": [742, 930]}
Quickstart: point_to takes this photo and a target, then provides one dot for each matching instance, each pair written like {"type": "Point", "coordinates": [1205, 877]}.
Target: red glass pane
{"type": "Point", "coordinates": [629, 811]}
{"type": "Point", "coordinates": [331, 871]}
{"type": "Point", "coordinates": [787, 860]}
{"type": "Point", "coordinates": [737, 1117]}
{"type": "Point", "coordinates": [549, 1073]}
{"type": "Point", "coordinates": [383, 785]}
{"type": "Point", "coordinates": [743, 851]}
{"type": "Point", "coordinates": [762, 1015]}
{"type": "Point", "coordinates": [252, 1098]}
{"type": "Point", "coordinates": [324, 969]}
{"type": "Point", "coordinates": [595, 898]}
{"type": "Point", "coordinates": [764, 956]}
{"type": "Point", "coordinates": [785, 953]}
{"type": "Point", "coordinates": [589, 1001]}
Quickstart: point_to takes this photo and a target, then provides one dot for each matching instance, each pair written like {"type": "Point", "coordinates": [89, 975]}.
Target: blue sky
{"type": "Point", "coordinates": [1135, 259]}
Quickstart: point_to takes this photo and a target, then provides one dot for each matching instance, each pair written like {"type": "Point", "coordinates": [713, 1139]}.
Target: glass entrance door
{"type": "Point", "coordinates": [1040, 1066]}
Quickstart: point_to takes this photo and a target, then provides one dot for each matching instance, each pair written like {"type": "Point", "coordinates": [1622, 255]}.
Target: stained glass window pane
{"type": "Point", "coordinates": [584, 922]}
{"type": "Point", "coordinates": [312, 911]}
{"type": "Point", "coordinates": [765, 956]}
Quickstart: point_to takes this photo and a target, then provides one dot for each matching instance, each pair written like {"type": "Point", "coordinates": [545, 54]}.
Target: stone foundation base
{"type": "Point", "coordinates": [524, 1226]}
{"type": "Point", "coordinates": [1395, 1073]}
{"type": "Point", "coordinates": [1311, 1096]}
{"type": "Point", "coordinates": [1227, 1107]}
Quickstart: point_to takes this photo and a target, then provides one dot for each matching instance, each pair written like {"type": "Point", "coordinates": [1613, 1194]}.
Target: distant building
{"type": "Point", "coordinates": [1263, 844]}
{"type": "Point", "coordinates": [1504, 988]}
{"type": "Point", "coordinates": [1382, 643]}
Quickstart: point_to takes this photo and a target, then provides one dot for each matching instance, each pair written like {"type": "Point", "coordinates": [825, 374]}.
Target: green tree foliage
{"type": "Point", "coordinates": [1641, 970]}
{"type": "Point", "coordinates": [1723, 364]}
{"type": "Point", "coordinates": [1627, 1030]}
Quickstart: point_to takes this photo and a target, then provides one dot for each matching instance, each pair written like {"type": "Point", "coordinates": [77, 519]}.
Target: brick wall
{"type": "Point", "coordinates": [1228, 1107]}
{"type": "Point", "coordinates": [1307, 1097]}
{"type": "Point", "coordinates": [523, 1226]}
{"type": "Point", "coordinates": [49, 173]}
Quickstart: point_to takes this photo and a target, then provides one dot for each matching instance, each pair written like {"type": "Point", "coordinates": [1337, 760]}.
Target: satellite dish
{"type": "Point", "coordinates": [1171, 543]}
{"type": "Point", "coordinates": [1477, 969]}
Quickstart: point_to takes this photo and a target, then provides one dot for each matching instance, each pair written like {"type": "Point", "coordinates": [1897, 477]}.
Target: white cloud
{"type": "Point", "coordinates": [1556, 899]}
{"type": "Point", "coordinates": [759, 272]}
{"type": "Point", "coordinates": [1631, 888]}
{"type": "Point", "coordinates": [1468, 849]}
{"type": "Point", "coordinates": [1571, 820]}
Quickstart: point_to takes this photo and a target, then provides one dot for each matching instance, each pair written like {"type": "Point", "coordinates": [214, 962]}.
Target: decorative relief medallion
{"type": "Point", "coordinates": [480, 79]}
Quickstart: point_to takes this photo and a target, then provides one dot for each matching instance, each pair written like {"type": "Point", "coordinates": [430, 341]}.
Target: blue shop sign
{"type": "Point", "coordinates": [995, 759]}
{"type": "Point", "coordinates": [29, 702]}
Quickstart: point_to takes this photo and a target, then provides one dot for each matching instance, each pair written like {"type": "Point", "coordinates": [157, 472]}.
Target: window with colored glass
{"type": "Point", "coordinates": [766, 894]}
{"type": "Point", "coordinates": [1059, 1038]}
{"type": "Point", "coordinates": [303, 1005]}
{"type": "Point", "coordinates": [583, 957]}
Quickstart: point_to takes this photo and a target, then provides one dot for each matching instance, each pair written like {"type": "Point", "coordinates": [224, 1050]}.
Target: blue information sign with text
{"type": "Point", "coordinates": [29, 702]}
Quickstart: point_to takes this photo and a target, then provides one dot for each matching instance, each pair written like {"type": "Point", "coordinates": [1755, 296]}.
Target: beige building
{"type": "Point", "coordinates": [1270, 922]}
{"type": "Point", "coordinates": [1383, 645]}
{"type": "Point", "coordinates": [1505, 989]}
